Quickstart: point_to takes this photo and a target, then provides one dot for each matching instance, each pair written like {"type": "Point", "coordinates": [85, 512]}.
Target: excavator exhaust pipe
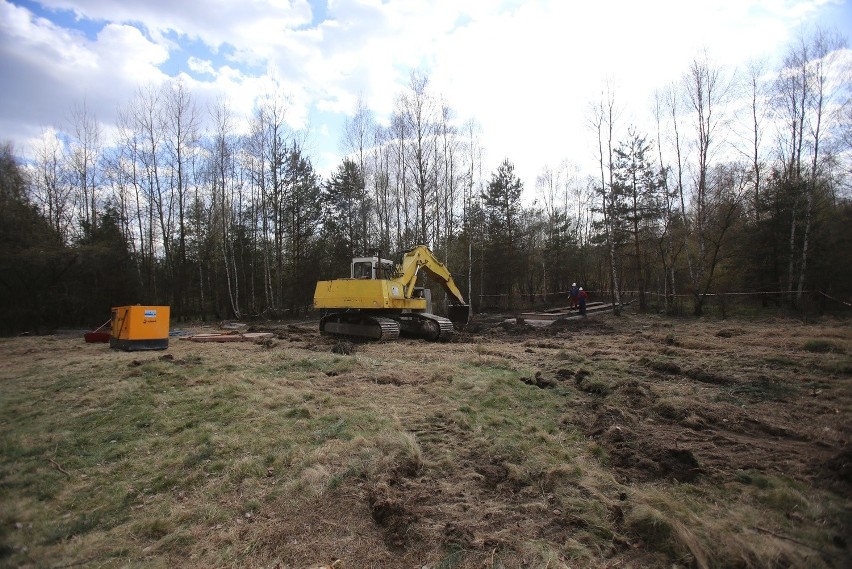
{"type": "Point", "coordinates": [459, 315]}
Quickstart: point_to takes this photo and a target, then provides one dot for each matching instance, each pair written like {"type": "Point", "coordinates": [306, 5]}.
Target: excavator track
{"type": "Point", "coordinates": [429, 326]}
{"type": "Point", "coordinates": [359, 325]}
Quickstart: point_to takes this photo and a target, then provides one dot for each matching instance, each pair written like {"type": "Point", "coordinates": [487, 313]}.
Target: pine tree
{"type": "Point", "coordinates": [345, 205]}
{"type": "Point", "coordinates": [502, 204]}
{"type": "Point", "coordinates": [635, 198]}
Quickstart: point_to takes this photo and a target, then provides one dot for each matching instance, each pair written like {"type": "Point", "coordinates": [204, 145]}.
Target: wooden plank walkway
{"type": "Point", "coordinates": [234, 337]}
{"type": "Point", "coordinates": [554, 314]}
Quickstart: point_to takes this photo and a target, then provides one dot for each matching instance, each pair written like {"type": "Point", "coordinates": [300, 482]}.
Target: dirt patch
{"type": "Point", "coordinates": [389, 509]}
{"type": "Point", "coordinates": [837, 470]}
{"type": "Point", "coordinates": [680, 439]}
{"type": "Point", "coordinates": [387, 379]}
{"type": "Point", "coordinates": [642, 461]}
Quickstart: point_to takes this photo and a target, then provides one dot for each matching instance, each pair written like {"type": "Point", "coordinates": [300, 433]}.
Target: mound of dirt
{"type": "Point", "coordinates": [389, 510]}
{"type": "Point", "coordinates": [837, 470]}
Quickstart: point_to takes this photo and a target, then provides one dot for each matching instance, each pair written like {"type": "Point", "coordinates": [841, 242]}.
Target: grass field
{"type": "Point", "coordinates": [636, 441]}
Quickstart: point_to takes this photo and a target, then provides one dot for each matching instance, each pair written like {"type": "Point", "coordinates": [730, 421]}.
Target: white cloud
{"type": "Point", "coordinates": [122, 49]}
{"type": "Point", "coordinates": [40, 43]}
{"type": "Point", "coordinates": [200, 66]}
{"type": "Point", "coordinates": [215, 22]}
{"type": "Point", "coordinates": [46, 70]}
{"type": "Point", "coordinates": [525, 70]}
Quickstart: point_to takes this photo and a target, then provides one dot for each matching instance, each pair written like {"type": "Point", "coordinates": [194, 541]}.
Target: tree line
{"type": "Point", "coordinates": [740, 185]}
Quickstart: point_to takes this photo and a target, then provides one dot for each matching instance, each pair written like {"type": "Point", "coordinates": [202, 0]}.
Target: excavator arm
{"type": "Point", "coordinates": [420, 257]}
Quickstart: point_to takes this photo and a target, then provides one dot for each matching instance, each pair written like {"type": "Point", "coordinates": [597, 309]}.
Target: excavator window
{"type": "Point", "coordinates": [362, 270]}
{"type": "Point", "coordinates": [385, 270]}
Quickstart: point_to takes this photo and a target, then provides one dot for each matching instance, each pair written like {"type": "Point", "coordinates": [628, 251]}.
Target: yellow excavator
{"type": "Point", "coordinates": [381, 299]}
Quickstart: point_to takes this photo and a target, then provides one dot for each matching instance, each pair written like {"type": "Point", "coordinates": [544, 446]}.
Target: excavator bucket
{"type": "Point", "coordinates": [459, 314]}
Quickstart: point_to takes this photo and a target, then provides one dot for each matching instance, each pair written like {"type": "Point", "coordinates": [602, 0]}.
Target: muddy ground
{"type": "Point", "coordinates": [693, 443]}
{"type": "Point", "coordinates": [704, 403]}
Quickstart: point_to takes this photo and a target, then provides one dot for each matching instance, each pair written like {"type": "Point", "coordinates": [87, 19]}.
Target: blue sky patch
{"type": "Point", "coordinates": [64, 18]}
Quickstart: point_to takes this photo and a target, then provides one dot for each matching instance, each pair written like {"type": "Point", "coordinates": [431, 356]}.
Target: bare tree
{"type": "Point", "coordinates": [357, 132]}
{"type": "Point", "coordinates": [547, 185]}
{"type": "Point", "coordinates": [843, 123]}
{"type": "Point", "coordinates": [267, 148]}
{"type": "Point", "coordinates": [758, 110]}
{"type": "Point", "coordinates": [804, 93]}
{"type": "Point", "coordinates": [223, 184]}
{"type": "Point", "coordinates": [824, 44]}
{"type": "Point", "coordinates": [399, 132]}
{"type": "Point", "coordinates": [417, 109]}
{"type": "Point", "coordinates": [119, 175]}
{"type": "Point", "coordinates": [669, 250]}
{"type": "Point", "coordinates": [705, 92]}
{"type": "Point", "coordinates": [564, 222]}
{"type": "Point", "coordinates": [181, 122]}
{"type": "Point", "coordinates": [472, 190]}
{"type": "Point", "coordinates": [381, 156]}
{"type": "Point", "coordinates": [143, 133]}
{"type": "Point", "coordinates": [52, 190]}
{"type": "Point", "coordinates": [451, 176]}
{"type": "Point", "coordinates": [258, 165]}
{"type": "Point", "coordinates": [126, 159]}
{"type": "Point", "coordinates": [84, 154]}
{"type": "Point", "coordinates": [602, 119]}
{"type": "Point", "coordinates": [673, 103]}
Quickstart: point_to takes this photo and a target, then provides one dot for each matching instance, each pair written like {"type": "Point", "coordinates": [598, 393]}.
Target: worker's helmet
{"type": "Point", "coordinates": [573, 284]}
{"type": "Point", "coordinates": [581, 288]}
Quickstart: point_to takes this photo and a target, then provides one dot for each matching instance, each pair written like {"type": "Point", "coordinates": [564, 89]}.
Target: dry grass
{"type": "Point", "coordinates": [637, 441]}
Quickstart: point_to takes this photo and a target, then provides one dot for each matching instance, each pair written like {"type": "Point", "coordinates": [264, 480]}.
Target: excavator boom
{"type": "Point", "coordinates": [421, 257]}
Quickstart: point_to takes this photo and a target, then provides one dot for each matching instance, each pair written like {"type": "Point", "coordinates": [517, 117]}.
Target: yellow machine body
{"type": "Point", "coordinates": [140, 328]}
{"type": "Point", "coordinates": [365, 294]}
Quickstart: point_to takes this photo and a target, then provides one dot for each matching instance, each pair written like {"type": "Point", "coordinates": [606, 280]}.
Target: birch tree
{"type": "Point", "coordinates": [448, 178]}
{"type": "Point", "coordinates": [357, 132]}
{"type": "Point", "coordinates": [52, 190]}
{"type": "Point", "coordinates": [222, 180]}
{"type": "Point", "coordinates": [805, 91]}
{"type": "Point", "coordinates": [83, 157]}
{"type": "Point", "coordinates": [399, 132]}
{"type": "Point", "coordinates": [705, 92]}
{"type": "Point", "coordinates": [602, 119]}
{"type": "Point", "coordinates": [382, 159]}
{"type": "Point", "coordinates": [143, 134]}
{"type": "Point", "coordinates": [417, 108]}
{"type": "Point", "coordinates": [181, 123]}
{"type": "Point", "coordinates": [669, 249]}
{"type": "Point", "coordinates": [758, 110]}
{"type": "Point", "coordinates": [267, 148]}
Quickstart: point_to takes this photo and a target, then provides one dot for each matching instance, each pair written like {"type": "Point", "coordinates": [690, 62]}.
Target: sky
{"type": "Point", "coordinates": [525, 70]}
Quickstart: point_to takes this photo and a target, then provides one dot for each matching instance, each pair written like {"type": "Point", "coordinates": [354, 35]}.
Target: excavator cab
{"type": "Point", "coordinates": [372, 268]}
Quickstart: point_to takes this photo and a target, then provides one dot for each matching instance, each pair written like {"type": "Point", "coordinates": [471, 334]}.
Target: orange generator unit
{"type": "Point", "coordinates": [140, 328]}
